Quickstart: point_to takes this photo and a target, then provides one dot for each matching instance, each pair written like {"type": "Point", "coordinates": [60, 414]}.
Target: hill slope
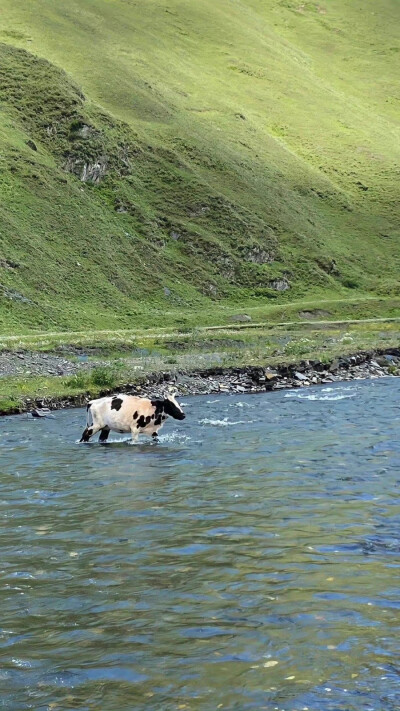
{"type": "Point", "coordinates": [172, 154]}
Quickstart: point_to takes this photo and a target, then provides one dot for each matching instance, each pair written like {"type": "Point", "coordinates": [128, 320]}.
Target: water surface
{"type": "Point", "coordinates": [250, 560]}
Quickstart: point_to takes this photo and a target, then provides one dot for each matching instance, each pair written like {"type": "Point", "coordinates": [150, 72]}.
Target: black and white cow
{"type": "Point", "coordinates": [128, 413]}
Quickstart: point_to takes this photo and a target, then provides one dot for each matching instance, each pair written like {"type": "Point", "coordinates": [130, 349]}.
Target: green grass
{"type": "Point", "coordinates": [175, 325]}
{"type": "Point", "coordinates": [120, 362]}
{"type": "Point", "coordinates": [244, 144]}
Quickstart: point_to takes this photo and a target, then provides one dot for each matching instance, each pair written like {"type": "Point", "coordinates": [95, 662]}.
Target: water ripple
{"type": "Point", "coordinates": [238, 564]}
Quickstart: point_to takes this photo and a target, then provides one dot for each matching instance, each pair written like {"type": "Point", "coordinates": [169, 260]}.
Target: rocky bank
{"type": "Point", "coordinates": [250, 379]}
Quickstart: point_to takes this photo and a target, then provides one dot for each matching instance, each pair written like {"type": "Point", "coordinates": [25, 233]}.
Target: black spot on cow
{"type": "Point", "coordinates": [141, 422]}
{"type": "Point", "coordinates": [116, 403]}
{"type": "Point", "coordinates": [157, 421]}
{"type": "Point", "coordinates": [148, 419]}
{"type": "Point", "coordinates": [159, 406]}
{"type": "Point", "coordinates": [135, 415]}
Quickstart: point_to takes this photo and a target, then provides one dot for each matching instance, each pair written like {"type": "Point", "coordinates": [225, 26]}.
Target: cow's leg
{"type": "Point", "coordinates": [85, 435]}
{"type": "Point", "coordinates": [134, 433]}
{"type": "Point", "coordinates": [104, 434]}
{"type": "Point", "coordinates": [88, 432]}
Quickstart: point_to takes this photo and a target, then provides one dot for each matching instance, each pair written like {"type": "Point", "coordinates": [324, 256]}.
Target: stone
{"type": "Point", "coordinates": [270, 375]}
{"type": "Point", "coordinates": [300, 376]}
{"type": "Point", "coordinates": [334, 367]}
{"type": "Point", "coordinates": [31, 144]}
{"type": "Point", "coordinates": [279, 284]}
{"type": "Point", "coordinates": [40, 412]}
{"type": "Point", "coordinates": [258, 255]}
{"type": "Point", "coordinates": [241, 318]}
{"type": "Point", "coordinates": [84, 131]}
{"type": "Point", "coordinates": [88, 172]}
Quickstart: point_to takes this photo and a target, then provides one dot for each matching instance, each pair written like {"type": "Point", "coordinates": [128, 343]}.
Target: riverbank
{"type": "Point", "coordinates": [237, 379]}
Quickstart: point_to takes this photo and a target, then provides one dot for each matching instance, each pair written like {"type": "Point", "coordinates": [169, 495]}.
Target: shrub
{"type": "Point", "coordinates": [79, 381]}
{"type": "Point", "coordinates": [104, 377]}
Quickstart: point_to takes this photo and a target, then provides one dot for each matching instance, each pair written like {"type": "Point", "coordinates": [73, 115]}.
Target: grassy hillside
{"type": "Point", "coordinates": [170, 155]}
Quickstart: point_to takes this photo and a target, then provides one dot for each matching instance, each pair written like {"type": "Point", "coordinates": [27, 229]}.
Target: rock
{"type": "Point", "coordinates": [314, 313]}
{"type": "Point", "coordinates": [31, 145]}
{"type": "Point", "coordinates": [300, 376]}
{"type": "Point", "coordinates": [40, 412]}
{"type": "Point", "coordinates": [271, 375]}
{"type": "Point", "coordinates": [334, 367]}
{"type": "Point", "coordinates": [88, 172]}
{"type": "Point", "coordinates": [8, 264]}
{"type": "Point", "coordinates": [241, 318]}
{"type": "Point", "coordinates": [279, 284]}
{"type": "Point", "coordinates": [84, 131]}
{"type": "Point", "coordinates": [387, 359]}
{"type": "Point", "coordinates": [258, 255]}
{"type": "Point", "coordinates": [374, 364]}
{"type": "Point", "coordinates": [14, 295]}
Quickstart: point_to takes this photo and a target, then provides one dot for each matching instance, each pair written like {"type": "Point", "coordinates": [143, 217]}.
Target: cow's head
{"type": "Point", "coordinates": [172, 408]}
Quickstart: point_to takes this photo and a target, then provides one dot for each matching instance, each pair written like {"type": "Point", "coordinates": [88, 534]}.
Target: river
{"type": "Point", "coordinates": [248, 561]}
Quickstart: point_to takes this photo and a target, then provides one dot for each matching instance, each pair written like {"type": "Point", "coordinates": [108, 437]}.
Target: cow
{"type": "Point", "coordinates": [128, 413]}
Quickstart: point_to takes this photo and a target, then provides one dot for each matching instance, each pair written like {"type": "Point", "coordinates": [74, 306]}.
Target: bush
{"type": "Point", "coordinates": [104, 377]}
{"type": "Point", "coordinates": [79, 381]}
{"type": "Point", "coordinates": [350, 283]}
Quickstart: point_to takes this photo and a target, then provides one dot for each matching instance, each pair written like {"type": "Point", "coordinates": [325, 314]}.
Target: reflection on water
{"type": "Point", "coordinates": [247, 561]}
